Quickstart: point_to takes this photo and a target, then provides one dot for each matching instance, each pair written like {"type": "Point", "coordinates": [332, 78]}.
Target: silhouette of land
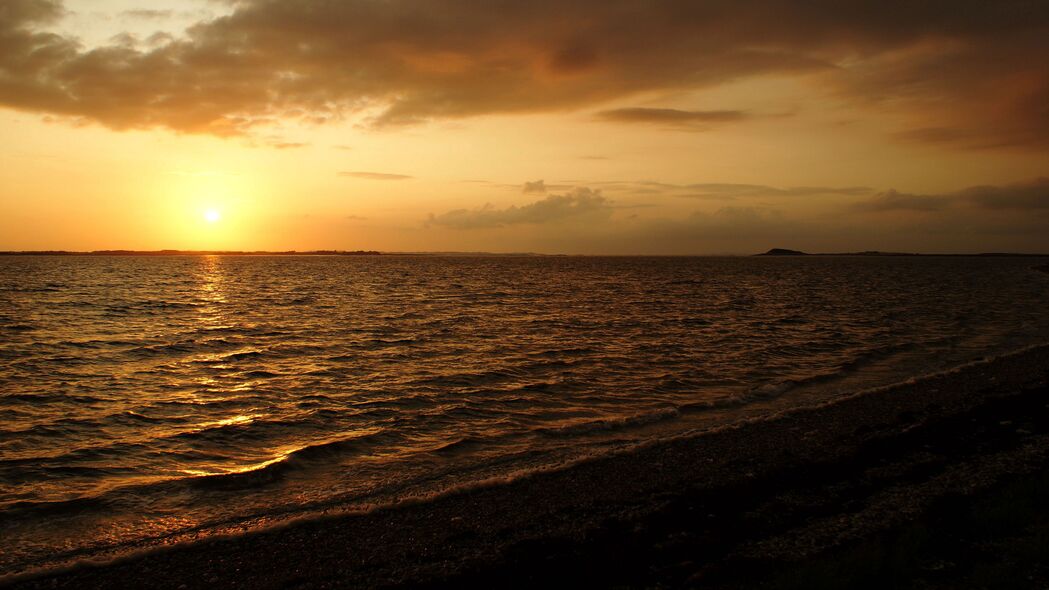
{"type": "Point", "coordinates": [192, 253]}
{"type": "Point", "coordinates": [772, 252]}
{"type": "Point", "coordinates": [256, 253]}
{"type": "Point", "coordinates": [787, 252]}
{"type": "Point", "coordinates": [936, 483]}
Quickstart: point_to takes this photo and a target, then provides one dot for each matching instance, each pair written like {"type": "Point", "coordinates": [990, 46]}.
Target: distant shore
{"type": "Point", "coordinates": [787, 252]}
{"type": "Point", "coordinates": [817, 494]}
{"type": "Point", "coordinates": [191, 253]}
{"type": "Point", "coordinates": [130, 253]}
{"type": "Point", "coordinates": [775, 252]}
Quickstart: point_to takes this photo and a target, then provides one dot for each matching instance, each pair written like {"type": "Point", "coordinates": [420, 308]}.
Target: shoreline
{"type": "Point", "coordinates": [479, 536]}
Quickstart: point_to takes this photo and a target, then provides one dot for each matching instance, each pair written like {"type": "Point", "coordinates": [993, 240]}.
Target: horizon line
{"type": "Point", "coordinates": [332, 252]}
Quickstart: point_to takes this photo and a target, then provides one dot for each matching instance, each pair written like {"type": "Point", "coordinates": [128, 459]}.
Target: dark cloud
{"type": "Point", "coordinates": [375, 175]}
{"type": "Point", "coordinates": [757, 190]}
{"type": "Point", "coordinates": [16, 13]}
{"type": "Point", "coordinates": [966, 73]}
{"type": "Point", "coordinates": [978, 88]}
{"type": "Point", "coordinates": [537, 186]}
{"type": "Point", "coordinates": [1029, 195]}
{"type": "Point", "coordinates": [671, 117]}
{"type": "Point", "coordinates": [892, 200]}
{"type": "Point", "coordinates": [731, 191]}
{"type": "Point", "coordinates": [581, 203]}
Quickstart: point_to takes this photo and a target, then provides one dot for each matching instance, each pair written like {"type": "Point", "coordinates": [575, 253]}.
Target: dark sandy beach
{"type": "Point", "coordinates": [936, 483]}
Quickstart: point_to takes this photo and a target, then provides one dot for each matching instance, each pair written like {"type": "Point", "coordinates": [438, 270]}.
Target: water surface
{"type": "Point", "coordinates": [146, 396]}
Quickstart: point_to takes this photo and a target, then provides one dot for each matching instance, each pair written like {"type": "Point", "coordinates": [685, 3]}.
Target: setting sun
{"type": "Point", "coordinates": [212, 216]}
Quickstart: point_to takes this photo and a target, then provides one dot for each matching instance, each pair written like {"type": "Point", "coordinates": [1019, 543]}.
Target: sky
{"type": "Point", "coordinates": [575, 127]}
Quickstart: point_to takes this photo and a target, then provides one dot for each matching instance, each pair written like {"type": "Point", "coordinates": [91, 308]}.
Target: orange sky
{"type": "Point", "coordinates": [664, 127]}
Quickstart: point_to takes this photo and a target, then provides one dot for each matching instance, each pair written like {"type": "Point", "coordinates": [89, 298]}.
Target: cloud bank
{"type": "Point", "coordinates": [967, 73]}
{"type": "Point", "coordinates": [581, 203]}
{"type": "Point", "coordinates": [673, 118]}
{"type": "Point", "coordinates": [1008, 217]}
{"type": "Point", "coordinates": [1024, 196]}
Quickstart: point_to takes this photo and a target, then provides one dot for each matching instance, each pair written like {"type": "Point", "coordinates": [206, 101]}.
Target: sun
{"type": "Point", "coordinates": [212, 215]}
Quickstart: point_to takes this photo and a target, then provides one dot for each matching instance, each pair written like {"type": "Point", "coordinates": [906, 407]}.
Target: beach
{"type": "Point", "coordinates": [743, 506]}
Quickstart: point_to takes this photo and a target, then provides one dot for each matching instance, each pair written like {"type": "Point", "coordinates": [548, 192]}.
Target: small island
{"type": "Point", "coordinates": [783, 252]}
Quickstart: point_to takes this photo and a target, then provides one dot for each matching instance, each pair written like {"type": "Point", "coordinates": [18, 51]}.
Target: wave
{"type": "Point", "coordinates": [241, 355]}
{"type": "Point", "coordinates": [49, 288]}
{"type": "Point", "coordinates": [260, 374]}
{"type": "Point", "coordinates": [29, 509]}
{"type": "Point", "coordinates": [300, 459]}
{"type": "Point", "coordinates": [459, 446]}
{"type": "Point", "coordinates": [168, 349]}
{"type": "Point", "coordinates": [54, 397]}
{"type": "Point", "coordinates": [385, 343]}
{"type": "Point", "coordinates": [607, 424]}
{"type": "Point", "coordinates": [18, 327]}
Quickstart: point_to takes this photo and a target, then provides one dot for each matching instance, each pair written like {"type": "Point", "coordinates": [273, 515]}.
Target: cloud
{"type": "Point", "coordinates": [969, 86]}
{"type": "Point", "coordinates": [963, 73]}
{"type": "Point", "coordinates": [1024, 196]}
{"type": "Point", "coordinates": [580, 203]}
{"type": "Point", "coordinates": [147, 14]}
{"type": "Point", "coordinates": [1033, 195]}
{"type": "Point", "coordinates": [17, 13]}
{"type": "Point", "coordinates": [375, 175]}
{"type": "Point", "coordinates": [671, 117]}
{"type": "Point", "coordinates": [537, 186]}
{"type": "Point", "coordinates": [731, 191]}
{"type": "Point", "coordinates": [709, 190]}
{"type": "Point", "coordinates": [282, 144]}
{"type": "Point", "coordinates": [892, 200]}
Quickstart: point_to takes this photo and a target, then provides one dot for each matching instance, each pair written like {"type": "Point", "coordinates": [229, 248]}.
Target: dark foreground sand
{"type": "Point", "coordinates": [938, 484]}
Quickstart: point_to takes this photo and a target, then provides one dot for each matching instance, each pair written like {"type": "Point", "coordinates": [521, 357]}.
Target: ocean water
{"type": "Point", "coordinates": [146, 400]}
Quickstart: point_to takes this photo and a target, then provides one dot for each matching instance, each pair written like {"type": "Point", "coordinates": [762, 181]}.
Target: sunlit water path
{"type": "Point", "coordinates": [141, 397]}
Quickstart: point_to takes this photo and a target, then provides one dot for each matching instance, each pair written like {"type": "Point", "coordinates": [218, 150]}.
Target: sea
{"type": "Point", "coordinates": [151, 400]}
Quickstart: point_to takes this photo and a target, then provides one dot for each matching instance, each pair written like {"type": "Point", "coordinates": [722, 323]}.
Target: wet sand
{"type": "Point", "coordinates": [794, 501]}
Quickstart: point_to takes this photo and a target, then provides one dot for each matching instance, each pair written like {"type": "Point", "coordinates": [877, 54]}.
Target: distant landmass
{"type": "Point", "coordinates": [192, 253]}
{"type": "Point", "coordinates": [783, 252]}
{"type": "Point", "coordinates": [256, 253]}
{"type": "Point", "coordinates": [772, 252]}
{"type": "Point", "coordinates": [786, 252]}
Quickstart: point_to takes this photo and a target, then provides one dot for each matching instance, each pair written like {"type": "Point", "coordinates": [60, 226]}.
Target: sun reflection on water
{"type": "Point", "coordinates": [211, 280]}
{"type": "Point", "coordinates": [240, 419]}
{"type": "Point", "coordinates": [211, 294]}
